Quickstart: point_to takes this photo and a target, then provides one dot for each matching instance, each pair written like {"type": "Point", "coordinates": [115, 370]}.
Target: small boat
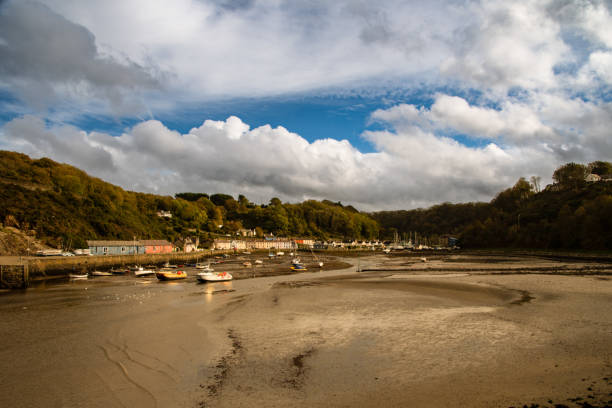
{"type": "Point", "coordinates": [295, 261]}
{"type": "Point", "coordinates": [247, 264]}
{"type": "Point", "coordinates": [118, 271]}
{"type": "Point", "coordinates": [298, 268]}
{"type": "Point", "coordinates": [319, 262]}
{"type": "Point", "coordinates": [258, 262]}
{"type": "Point", "coordinates": [143, 272]}
{"type": "Point", "coordinates": [204, 268]}
{"type": "Point", "coordinates": [280, 253]}
{"type": "Point", "coordinates": [168, 265]}
{"type": "Point", "coordinates": [214, 276]}
{"type": "Point", "coordinates": [101, 273]}
{"type": "Point", "coordinates": [165, 275]}
{"type": "Point", "coordinates": [77, 276]}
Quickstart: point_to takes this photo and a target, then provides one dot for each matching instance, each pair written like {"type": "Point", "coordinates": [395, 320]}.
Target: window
{"type": "Point", "coordinates": [105, 249]}
{"type": "Point", "coordinates": [122, 249]}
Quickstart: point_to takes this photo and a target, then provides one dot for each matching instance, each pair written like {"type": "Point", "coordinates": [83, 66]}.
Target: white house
{"type": "Point", "coordinates": [592, 178]}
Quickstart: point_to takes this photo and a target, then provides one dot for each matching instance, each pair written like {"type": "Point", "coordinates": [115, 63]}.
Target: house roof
{"type": "Point", "coordinates": [112, 243]}
{"type": "Point", "coordinates": [160, 242]}
{"type": "Point", "coordinates": [146, 242]}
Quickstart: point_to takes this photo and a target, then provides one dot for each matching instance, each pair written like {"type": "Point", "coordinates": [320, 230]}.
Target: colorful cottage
{"type": "Point", "coordinates": [129, 247]}
{"type": "Point", "coordinates": [115, 247]}
{"type": "Point", "coordinates": [157, 246]}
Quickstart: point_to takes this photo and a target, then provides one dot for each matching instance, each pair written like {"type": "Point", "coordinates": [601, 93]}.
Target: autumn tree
{"type": "Point", "coordinates": [570, 175]}
{"type": "Point", "coordinates": [601, 168]}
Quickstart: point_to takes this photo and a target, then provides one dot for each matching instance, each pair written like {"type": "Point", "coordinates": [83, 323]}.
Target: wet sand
{"type": "Point", "coordinates": [331, 338]}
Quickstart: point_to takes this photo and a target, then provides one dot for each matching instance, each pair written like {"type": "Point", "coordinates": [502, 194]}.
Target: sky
{"type": "Point", "coordinates": [383, 105]}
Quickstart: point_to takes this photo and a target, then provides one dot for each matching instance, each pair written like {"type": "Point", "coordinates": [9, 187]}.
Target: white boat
{"type": "Point", "coordinates": [140, 271]}
{"type": "Point", "coordinates": [280, 253]}
{"type": "Point", "coordinates": [319, 262]}
{"type": "Point", "coordinates": [101, 273]}
{"type": "Point", "coordinates": [205, 268]}
{"type": "Point", "coordinates": [214, 276]}
{"type": "Point", "coordinates": [77, 276]}
{"type": "Point", "coordinates": [258, 262]}
{"type": "Point", "coordinates": [246, 264]}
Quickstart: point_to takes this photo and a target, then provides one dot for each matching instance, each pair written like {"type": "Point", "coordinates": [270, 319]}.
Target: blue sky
{"type": "Point", "coordinates": [386, 105]}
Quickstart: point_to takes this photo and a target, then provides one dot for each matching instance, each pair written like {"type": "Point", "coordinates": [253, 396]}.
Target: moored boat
{"type": "Point", "coordinates": [214, 276]}
{"type": "Point", "coordinates": [204, 268]}
{"type": "Point", "coordinates": [101, 273]}
{"type": "Point", "coordinates": [77, 276]}
{"type": "Point", "coordinates": [165, 275]}
{"type": "Point", "coordinates": [143, 272]}
{"type": "Point", "coordinates": [298, 267]}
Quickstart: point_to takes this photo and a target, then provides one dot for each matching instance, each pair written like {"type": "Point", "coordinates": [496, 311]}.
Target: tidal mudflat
{"type": "Point", "coordinates": [447, 332]}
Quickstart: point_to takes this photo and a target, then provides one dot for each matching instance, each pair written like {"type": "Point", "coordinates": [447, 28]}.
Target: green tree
{"type": "Point", "coordinates": [570, 175]}
{"type": "Point", "coordinates": [601, 168]}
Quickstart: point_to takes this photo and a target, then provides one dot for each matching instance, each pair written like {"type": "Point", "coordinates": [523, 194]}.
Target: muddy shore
{"type": "Point", "coordinates": [484, 332]}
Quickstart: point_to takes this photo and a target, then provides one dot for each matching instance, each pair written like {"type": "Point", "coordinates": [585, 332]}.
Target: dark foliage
{"type": "Point", "coordinates": [66, 207]}
{"type": "Point", "coordinates": [568, 214]}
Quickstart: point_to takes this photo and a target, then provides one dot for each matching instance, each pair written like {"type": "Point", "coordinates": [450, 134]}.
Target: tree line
{"type": "Point", "coordinates": [569, 214]}
{"type": "Point", "coordinates": [64, 206]}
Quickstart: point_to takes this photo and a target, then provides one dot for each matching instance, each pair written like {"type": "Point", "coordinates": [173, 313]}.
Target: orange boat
{"type": "Point", "coordinates": [170, 274]}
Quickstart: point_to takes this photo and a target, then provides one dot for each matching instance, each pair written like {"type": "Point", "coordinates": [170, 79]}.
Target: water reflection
{"type": "Point", "coordinates": [212, 288]}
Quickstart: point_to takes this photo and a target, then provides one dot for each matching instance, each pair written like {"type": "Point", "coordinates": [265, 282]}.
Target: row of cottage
{"type": "Point", "coordinates": [246, 244]}
{"type": "Point", "coordinates": [164, 247]}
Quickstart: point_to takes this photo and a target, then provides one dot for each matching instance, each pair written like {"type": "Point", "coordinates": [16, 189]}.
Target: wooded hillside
{"type": "Point", "coordinates": [65, 207]}
{"type": "Point", "coordinates": [571, 213]}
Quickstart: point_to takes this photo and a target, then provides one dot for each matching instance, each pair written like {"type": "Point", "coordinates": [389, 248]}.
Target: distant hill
{"type": "Point", "coordinates": [570, 214]}
{"type": "Point", "coordinates": [65, 207]}
{"type": "Point", "coordinates": [62, 206]}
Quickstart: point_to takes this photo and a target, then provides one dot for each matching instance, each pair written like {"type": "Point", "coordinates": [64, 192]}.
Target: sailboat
{"type": "Point", "coordinates": [317, 260]}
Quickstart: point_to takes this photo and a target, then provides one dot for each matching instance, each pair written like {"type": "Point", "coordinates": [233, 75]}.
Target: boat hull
{"type": "Point", "coordinates": [214, 277]}
{"type": "Point", "coordinates": [100, 273]}
{"type": "Point", "coordinates": [168, 276]}
{"type": "Point", "coordinates": [145, 272]}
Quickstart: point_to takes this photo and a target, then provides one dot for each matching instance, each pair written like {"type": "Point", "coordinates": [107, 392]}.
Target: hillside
{"type": "Point", "coordinates": [568, 214]}
{"type": "Point", "coordinates": [65, 207]}
{"type": "Point", "coordinates": [62, 206]}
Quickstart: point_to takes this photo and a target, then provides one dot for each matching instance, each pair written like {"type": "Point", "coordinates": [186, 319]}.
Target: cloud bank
{"type": "Point", "coordinates": [501, 89]}
{"type": "Point", "coordinates": [412, 166]}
